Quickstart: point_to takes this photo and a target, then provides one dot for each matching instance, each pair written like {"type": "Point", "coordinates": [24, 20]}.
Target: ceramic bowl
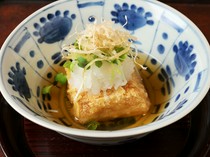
{"type": "Point", "coordinates": [177, 57]}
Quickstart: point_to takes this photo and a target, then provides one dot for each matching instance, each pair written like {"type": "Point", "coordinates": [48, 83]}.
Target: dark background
{"type": "Point", "coordinates": [166, 1]}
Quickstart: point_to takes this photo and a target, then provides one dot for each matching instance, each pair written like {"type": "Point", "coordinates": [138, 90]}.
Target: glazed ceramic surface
{"type": "Point", "coordinates": [178, 61]}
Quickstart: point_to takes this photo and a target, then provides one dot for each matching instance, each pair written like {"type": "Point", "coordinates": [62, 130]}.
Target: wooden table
{"type": "Point", "coordinates": [44, 142]}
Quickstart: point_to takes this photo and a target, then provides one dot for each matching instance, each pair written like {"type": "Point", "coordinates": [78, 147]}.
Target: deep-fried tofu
{"type": "Point", "coordinates": [129, 100]}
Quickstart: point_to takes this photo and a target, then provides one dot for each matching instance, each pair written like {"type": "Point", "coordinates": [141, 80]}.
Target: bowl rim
{"type": "Point", "coordinates": [104, 134]}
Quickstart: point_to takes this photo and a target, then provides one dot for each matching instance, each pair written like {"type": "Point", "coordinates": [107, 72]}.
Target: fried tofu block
{"type": "Point", "coordinates": [129, 100]}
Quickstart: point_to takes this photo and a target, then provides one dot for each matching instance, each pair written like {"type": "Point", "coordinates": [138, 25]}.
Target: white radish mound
{"type": "Point", "coordinates": [106, 77]}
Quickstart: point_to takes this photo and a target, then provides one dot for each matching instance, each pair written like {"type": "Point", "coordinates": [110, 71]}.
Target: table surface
{"type": "Point", "coordinates": [13, 13]}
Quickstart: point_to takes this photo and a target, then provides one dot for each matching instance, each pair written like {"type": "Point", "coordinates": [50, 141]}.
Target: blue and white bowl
{"type": "Point", "coordinates": [31, 56]}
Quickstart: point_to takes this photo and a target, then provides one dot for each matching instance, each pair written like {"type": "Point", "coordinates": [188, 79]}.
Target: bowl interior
{"type": "Point", "coordinates": [171, 46]}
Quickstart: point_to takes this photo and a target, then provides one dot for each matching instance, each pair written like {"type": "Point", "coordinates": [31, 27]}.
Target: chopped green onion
{"type": "Point", "coordinates": [119, 49]}
{"type": "Point", "coordinates": [116, 61]}
{"type": "Point", "coordinates": [61, 78]}
{"type": "Point", "coordinates": [77, 46]}
{"type": "Point", "coordinates": [93, 125]}
{"type": "Point", "coordinates": [67, 64]}
{"type": "Point", "coordinates": [98, 64]}
{"type": "Point", "coordinates": [82, 62]}
{"type": "Point", "coordinates": [123, 57]}
{"type": "Point", "coordinates": [46, 89]}
{"type": "Point", "coordinates": [70, 65]}
{"type": "Point", "coordinates": [94, 57]}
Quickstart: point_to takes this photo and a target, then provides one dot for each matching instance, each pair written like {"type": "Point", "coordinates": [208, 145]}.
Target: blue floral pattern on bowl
{"type": "Point", "coordinates": [132, 17]}
{"type": "Point", "coordinates": [185, 59]}
{"type": "Point", "coordinates": [18, 81]}
{"type": "Point", "coordinates": [54, 27]}
{"type": "Point", "coordinates": [171, 41]}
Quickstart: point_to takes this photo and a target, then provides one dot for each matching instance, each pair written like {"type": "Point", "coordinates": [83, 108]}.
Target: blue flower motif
{"type": "Point", "coordinates": [55, 27]}
{"type": "Point", "coordinates": [184, 59]}
{"type": "Point", "coordinates": [135, 17]}
{"type": "Point", "coordinates": [18, 81]}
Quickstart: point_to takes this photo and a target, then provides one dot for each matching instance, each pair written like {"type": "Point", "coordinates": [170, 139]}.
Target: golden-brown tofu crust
{"type": "Point", "coordinates": [129, 100]}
